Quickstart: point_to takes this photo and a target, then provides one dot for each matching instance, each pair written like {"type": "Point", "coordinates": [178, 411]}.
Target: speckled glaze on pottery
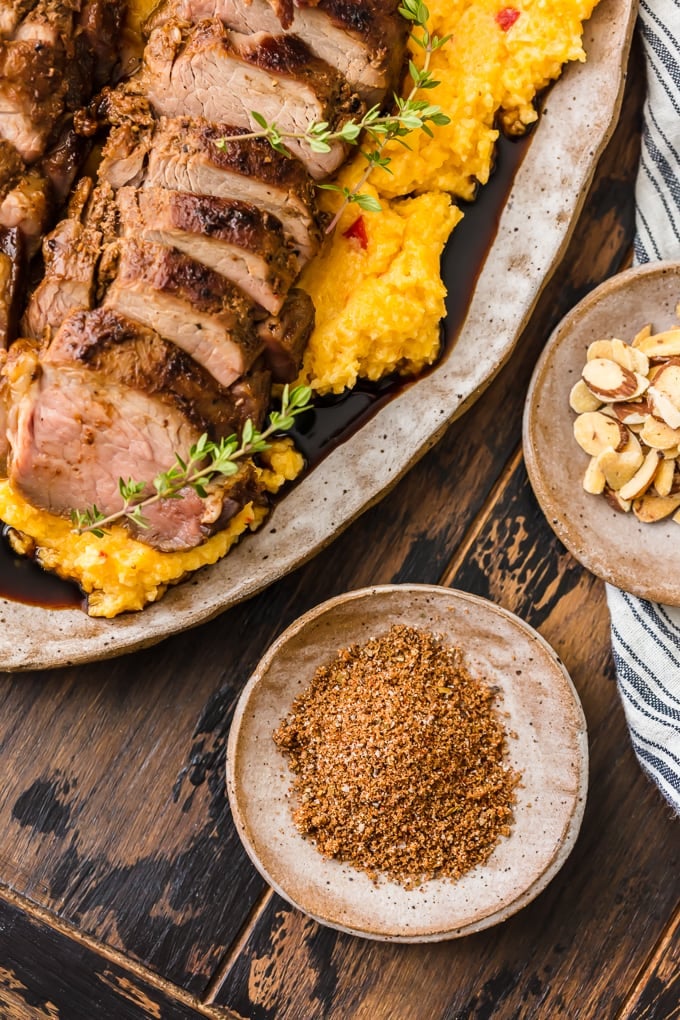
{"type": "Point", "coordinates": [547, 195]}
{"type": "Point", "coordinates": [550, 750]}
{"type": "Point", "coordinates": [640, 558]}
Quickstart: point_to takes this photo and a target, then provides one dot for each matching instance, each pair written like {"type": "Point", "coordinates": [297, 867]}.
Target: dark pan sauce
{"type": "Point", "coordinates": [336, 418]}
{"type": "Point", "coordinates": [23, 580]}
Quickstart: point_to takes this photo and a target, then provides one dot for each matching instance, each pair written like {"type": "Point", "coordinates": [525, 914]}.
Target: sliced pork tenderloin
{"type": "Point", "coordinates": [12, 269]}
{"type": "Point", "coordinates": [100, 24]}
{"type": "Point", "coordinates": [53, 58]}
{"type": "Point", "coordinates": [62, 161]}
{"type": "Point", "coordinates": [28, 205]}
{"type": "Point", "coordinates": [188, 304]}
{"type": "Point", "coordinates": [31, 95]}
{"type": "Point", "coordinates": [365, 40]}
{"type": "Point", "coordinates": [128, 353]}
{"type": "Point", "coordinates": [188, 156]}
{"type": "Point", "coordinates": [73, 433]}
{"type": "Point", "coordinates": [285, 335]}
{"type": "Point", "coordinates": [12, 13]}
{"type": "Point", "coordinates": [207, 71]}
{"type": "Point", "coordinates": [235, 239]}
{"type": "Point", "coordinates": [37, 73]}
{"type": "Point", "coordinates": [29, 195]}
{"type": "Point", "coordinates": [72, 253]}
{"type": "Point", "coordinates": [124, 157]}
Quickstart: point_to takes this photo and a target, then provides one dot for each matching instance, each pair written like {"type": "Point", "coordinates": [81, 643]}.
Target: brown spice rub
{"type": "Point", "coordinates": [399, 760]}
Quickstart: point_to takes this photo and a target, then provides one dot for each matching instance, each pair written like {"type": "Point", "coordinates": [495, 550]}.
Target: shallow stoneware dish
{"type": "Point", "coordinates": [550, 750]}
{"type": "Point", "coordinates": [640, 558]}
{"type": "Point", "coordinates": [547, 194]}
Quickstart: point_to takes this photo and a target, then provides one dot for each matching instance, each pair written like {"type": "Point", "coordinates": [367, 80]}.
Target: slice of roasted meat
{"type": "Point", "coordinates": [26, 203]}
{"type": "Point", "coordinates": [189, 304]}
{"type": "Point", "coordinates": [44, 72]}
{"type": "Point", "coordinates": [365, 40]}
{"type": "Point", "coordinates": [128, 353]}
{"type": "Point", "coordinates": [11, 276]}
{"type": "Point", "coordinates": [72, 253]}
{"type": "Point", "coordinates": [208, 71]}
{"type": "Point", "coordinates": [189, 155]}
{"type": "Point", "coordinates": [235, 239]}
{"type": "Point", "coordinates": [285, 335]}
{"type": "Point", "coordinates": [52, 56]}
{"type": "Point", "coordinates": [12, 12]}
{"type": "Point", "coordinates": [73, 433]}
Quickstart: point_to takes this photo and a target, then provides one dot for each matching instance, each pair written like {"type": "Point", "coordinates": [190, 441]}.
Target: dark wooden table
{"type": "Point", "coordinates": [124, 890]}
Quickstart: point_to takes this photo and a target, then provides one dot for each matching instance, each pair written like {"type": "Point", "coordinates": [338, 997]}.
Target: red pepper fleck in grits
{"type": "Point", "coordinates": [507, 17]}
{"type": "Point", "coordinates": [358, 232]}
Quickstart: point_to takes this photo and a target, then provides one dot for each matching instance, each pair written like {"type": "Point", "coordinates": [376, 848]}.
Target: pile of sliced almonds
{"type": "Point", "coordinates": [628, 406]}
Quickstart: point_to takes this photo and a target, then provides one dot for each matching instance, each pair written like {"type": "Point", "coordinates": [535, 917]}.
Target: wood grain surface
{"type": "Point", "coordinates": [124, 891]}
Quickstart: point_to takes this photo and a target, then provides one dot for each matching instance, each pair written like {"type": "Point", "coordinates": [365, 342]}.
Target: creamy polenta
{"type": "Point", "coordinates": [487, 73]}
{"type": "Point", "coordinates": [377, 288]}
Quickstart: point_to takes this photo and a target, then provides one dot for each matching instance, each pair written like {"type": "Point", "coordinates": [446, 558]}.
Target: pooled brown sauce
{"type": "Point", "coordinates": [334, 419]}
{"type": "Point", "coordinates": [23, 580]}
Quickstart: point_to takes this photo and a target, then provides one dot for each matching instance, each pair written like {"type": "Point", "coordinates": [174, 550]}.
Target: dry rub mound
{"type": "Point", "coordinates": [399, 760]}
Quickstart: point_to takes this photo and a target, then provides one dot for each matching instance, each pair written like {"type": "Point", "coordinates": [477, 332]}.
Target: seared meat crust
{"type": "Point", "coordinates": [189, 304]}
{"type": "Point", "coordinates": [187, 155]}
{"type": "Point", "coordinates": [207, 71]}
{"type": "Point", "coordinates": [365, 40]}
{"type": "Point", "coordinates": [235, 239]}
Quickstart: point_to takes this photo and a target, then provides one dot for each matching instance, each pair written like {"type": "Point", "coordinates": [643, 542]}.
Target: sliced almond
{"type": "Point", "coordinates": [615, 501]}
{"type": "Point", "coordinates": [619, 468]}
{"type": "Point", "coordinates": [671, 453]}
{"type": "Point", "coordinates": [663, 407]}
{"type": "Point", "coordinates": [599, 349]}
{"type": "Point", "coordinates": [667, 379]}
{"type": "Point", "coordinates": [610, 381]}
{"type": "Point", "coordinates": [581, 399]}
{"type": "Point", "coordinates": [658, 435]}
{"type": "Point", "coordinates": [663, 479]}
{"type": "Point", "coordinates": [595, 432]}
{"type": "Point", "coordinates": [661, 345]}
{"type": "Point", "coordinates": [630, 413]}
{"type": "Point", "coordinates": [593, 479]}
{"type": "Point", "coordinates": [676, 517]}
{"type": "Point", "coordinates": [654, 370]}
{"type": "Point", "coordinates": [641, 335]}
{"type": "Point", "coordinates": [629, 357]}
{"type": "Point", "coordinates": [642, 478]}
{"type": "Point", "coordinates": [651, 508]}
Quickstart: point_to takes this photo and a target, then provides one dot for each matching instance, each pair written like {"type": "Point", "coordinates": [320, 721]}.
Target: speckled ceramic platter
{"type": "Point", "coordinates": [641, 558]}
{"type": "Point", "coordinates": [550, 750]}
{"type": "Point", "coordinates": [547, 194]}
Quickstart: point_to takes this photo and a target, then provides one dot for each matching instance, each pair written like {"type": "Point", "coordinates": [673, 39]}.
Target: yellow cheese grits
{"type": "Point", "coordinates": [498, 57]}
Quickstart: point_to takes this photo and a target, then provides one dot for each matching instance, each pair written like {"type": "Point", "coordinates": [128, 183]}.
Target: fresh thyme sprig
{"type": "Point", "coordinates": [410, 114]}
{"type": "Point", "coordinates": [206, 461]}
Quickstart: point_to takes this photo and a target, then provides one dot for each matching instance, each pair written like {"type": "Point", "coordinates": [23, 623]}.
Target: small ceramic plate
{"type": "Point", "coordinates": [640, 558]}
{"type": "Point", "coordinates": [550, 750]}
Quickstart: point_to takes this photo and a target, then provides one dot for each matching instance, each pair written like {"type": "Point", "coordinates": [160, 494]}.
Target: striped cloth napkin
{"type": "Point", "coordinates": [646, 637]}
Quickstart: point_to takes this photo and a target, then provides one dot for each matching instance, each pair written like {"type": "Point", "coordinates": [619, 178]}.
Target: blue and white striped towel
{"type": "Point", "coordinates": [646, 637]}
